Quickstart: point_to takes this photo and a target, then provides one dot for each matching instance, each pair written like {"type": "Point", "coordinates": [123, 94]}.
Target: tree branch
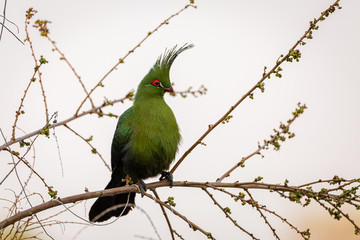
{"type": "Point", "coordinates": [155, 185]}
{"type": "Point", "coordinates": [50, 126]}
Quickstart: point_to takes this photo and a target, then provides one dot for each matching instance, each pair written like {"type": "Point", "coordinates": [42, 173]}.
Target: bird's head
{"type": "Point", "coordinates": [157, 81]}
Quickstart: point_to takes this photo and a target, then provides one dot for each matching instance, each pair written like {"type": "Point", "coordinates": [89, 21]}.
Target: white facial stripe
{"type": "Point", "coordinates": [161, 86]}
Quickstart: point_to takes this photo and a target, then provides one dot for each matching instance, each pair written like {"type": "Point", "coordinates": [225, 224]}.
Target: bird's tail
{"type": "Point", "coordinates": [99, 212]}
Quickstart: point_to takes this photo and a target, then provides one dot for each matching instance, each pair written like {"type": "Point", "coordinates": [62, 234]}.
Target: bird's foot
{"type": "Point", "coordinates": [168, 176]}
{"type": "Point", "coordinates": [142, 187]}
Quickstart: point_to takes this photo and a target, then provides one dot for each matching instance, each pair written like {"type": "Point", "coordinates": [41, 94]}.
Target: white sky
{"type": "Point", "coordinates": [233, 40]}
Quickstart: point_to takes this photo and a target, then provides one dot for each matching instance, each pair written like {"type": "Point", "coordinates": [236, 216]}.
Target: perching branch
{"type": "Point", "coordinates": [295, 194]}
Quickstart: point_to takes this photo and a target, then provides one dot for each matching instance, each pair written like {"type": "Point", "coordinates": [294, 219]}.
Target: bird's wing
{"type": "Point", "coordinates": [121, 141]}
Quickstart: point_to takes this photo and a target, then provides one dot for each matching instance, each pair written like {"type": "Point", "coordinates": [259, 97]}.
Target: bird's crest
{"type": "Point", "coordinates": [164, 62]}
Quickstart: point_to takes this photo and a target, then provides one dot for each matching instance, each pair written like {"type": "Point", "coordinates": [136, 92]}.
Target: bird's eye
{"type": "Point", "coordinates": [156, 83]}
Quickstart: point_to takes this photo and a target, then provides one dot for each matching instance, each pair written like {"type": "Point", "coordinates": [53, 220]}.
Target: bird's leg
{"type": "Point", "coordinates": [142, 187]}
{"type": "Point", "coordinates": [168, 176]}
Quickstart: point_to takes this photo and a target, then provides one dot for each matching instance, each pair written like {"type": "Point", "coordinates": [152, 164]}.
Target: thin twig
{"type": "Point", "coordinates": [238, 164]}
{"type": "Point", "coordinates": [92, 147]}
{"type": "Point", "coordinates": [150, 220]}
{"type": "Point", "coordinates": [22, 187]}
{"type": "Point", "coordinates": [18, 197]}
{"type": "Point", "coordinates": [202, 90]}
{"type": "Point", "coordinates": [254, 204]}
{"type": "Point", "coordinates": [10, 30]}
{"type": "Point", "coordinates": [192, 224]}
{"type": "Point", "coordinates": [36, 65]}
{"type": "Point", "coordinates": [357, 229]}
{"type": "Point", "coordinates": [62, 211]}
{"type": "Point", "coordinates": [7, 148]}
{"type": "Point", "coordinates": [54, 222]}
{"type": "Point", "coordinates": [177, 234]}
{"type": "Point", "coordinates": [4, 16]}
{"type": "Point", "coordinates": [21, 159]}
{"type": "Point", "coordinates": [71, 67]}
{"type": "Point", "coordinates": [19, 111]}
{"type": "Point", "coordinates": [24, 226]}
{"type": "Point", "coordinates": [284, 130]}
{"type": "Point", "coordinates": [259, 206]}
{"type": "Point", "coordinates": [228, 215]}
{"type": "Point", "coordinates": [165, 215]}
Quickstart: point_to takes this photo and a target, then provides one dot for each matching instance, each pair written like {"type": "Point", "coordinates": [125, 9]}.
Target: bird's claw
{"type": "Point", "coordinates": [168, 176]}
{"type": "Point", "coordinates": [142, 187]}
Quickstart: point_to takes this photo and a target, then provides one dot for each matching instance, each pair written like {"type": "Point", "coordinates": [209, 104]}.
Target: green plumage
{"type": "Point", "coordinates": [146, 137]}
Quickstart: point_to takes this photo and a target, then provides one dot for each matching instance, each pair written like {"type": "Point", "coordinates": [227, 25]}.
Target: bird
{"type": "Point", "coordinates": [145, 141]}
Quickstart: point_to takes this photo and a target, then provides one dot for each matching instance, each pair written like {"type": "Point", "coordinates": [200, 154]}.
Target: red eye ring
{"type": "Point", "coordinates": [156, 83]}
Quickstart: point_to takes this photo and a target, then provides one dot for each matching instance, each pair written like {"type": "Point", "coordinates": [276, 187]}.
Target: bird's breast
{"type": "Point", "coordinates": [154, 143]}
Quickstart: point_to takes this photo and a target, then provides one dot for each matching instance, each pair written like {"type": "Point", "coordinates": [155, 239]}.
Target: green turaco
{"type": "Point", "coordinates": [145, 141]}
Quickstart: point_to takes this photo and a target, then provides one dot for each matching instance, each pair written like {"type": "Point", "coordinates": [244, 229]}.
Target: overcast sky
{"type": "Point", "coordinates": [233, 41]}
